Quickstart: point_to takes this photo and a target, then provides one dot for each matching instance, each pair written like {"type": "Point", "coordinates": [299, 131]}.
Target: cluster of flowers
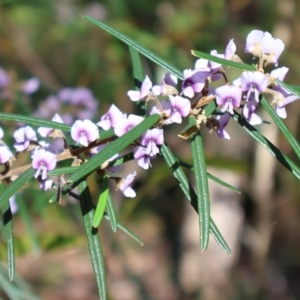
{"type": "Point", "coordinates": [72, 103]}
{"type": "Point", "coordinates": [242, 95]}
{"type": "Point", "coordinates": [27, 87]}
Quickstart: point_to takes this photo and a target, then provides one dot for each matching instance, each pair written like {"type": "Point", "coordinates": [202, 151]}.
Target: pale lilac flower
{"type": "Point", "coordinates": [111, 118]}
{"type": "Point", "coordinates": [127, 124]}
{"type": "Point", "coordinates": [31, 86]}
{"type": "Point", "coordinates": [4, 78]}
{"type": "Point", "coordinates": [229, 53]}
{"type": "Point", "coordinates": [5, 154]}
{"type": "Point", "coordinates": [13, 204]}
{"type": "Point", "coordinates": [280, 107]}
{"type": "Point", "coordinates": [1, 133]}
{"type": "Point", "coordinates": [45, 131]}
{"type": "Point", "coordinates": [84, 132]}
{"type": "Point", "coordinates": [23, 136]}
{"type": "Point", "coordinates": [144, 91]}
{"type": "Point", "coordinates": [167, 86]}
{"type": "Point", "coordinates": [249, 112]}
{"type": "Point", "coordinates": [65, 94]}
{"type": "Point", "coordinates": [194, 81]}
{"type": "Point", "coordinates": [228, 97]}
{"type": "Point", "coordinates": [262, 44]}
{"type": "Point", "coordinates": [151, 139]}
{"type": "Point", "coordinates": [180, 107]}
{"type": "Point", "coordinates": [143, 159]}
{"type": "Point", "coordinates": [45, 184]}
{"type": "Point", "coordinates": [254, 82]}
{"type": "Point", "coordinates": [125, 185]}
{"type": "Point", "coordinates": [43, 161]}
{"type": "Point", "coordinates": [223, 121]}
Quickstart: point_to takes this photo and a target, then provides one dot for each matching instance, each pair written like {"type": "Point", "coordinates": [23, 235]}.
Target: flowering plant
{"type": "Point", "coordinates": [96, 147]}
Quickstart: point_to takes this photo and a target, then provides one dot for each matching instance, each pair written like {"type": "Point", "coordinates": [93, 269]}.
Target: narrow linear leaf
{"type": "Point", "coordinates": [127, 231]}
{"type": "Point", "coordinates": [93, 238]}
{"type": "Point", "coordinates": [27, 220]}
{"type": "Point", "coordinates": [9, 236]}
{"type": "Point", "coordinates": [35, 121]}
{"type": "Point", "coordinates": [111, 149]}
{"type": "Point", "coordinates": [138, 72]}
{"type": "Point", "coordinates": [111, 210]}
{"type": "Point", "coordinates": [138, 75]}
{"type": "Point", "coordinates": [189, 192]}
{"type": "Point", "coordinates": [202, 189]}
{"type": "Point", "coordinates": [222, 61]}
{"type": "Point", "coordinates": [16, 185]}
{"type": "Point", "coordinates": [282, 158]}
{"type": "Point", "coordinates": [64, 170]}
{"type": "Point", "coordinates": [147, 53]}
{"type": "Point", "coordinates": [9, 289]}
{"type": "Point", "coordinates": [102, 202]}
{"type": "Point", "coordinates": [281, 125]}
{"type": "Point", "coordinates": [212, 177]}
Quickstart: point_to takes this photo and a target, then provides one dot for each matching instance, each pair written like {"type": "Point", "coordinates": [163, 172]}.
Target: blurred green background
{"type": "Point", "coordinates": [50, 40]}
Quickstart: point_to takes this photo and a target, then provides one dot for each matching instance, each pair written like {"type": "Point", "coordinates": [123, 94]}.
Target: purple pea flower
{"type": "Point", "coordinates": [143, 159]}
{"type": "Point", "coordinates": [254, 82]}
{"type": "Point", "coordinates": [150, 139]}
{"type": "Point", "coordinates": [31, 86]}
{"type": "Point", "coordinates": [13, 204]}
{"type": "Point", "coordinates": [144, 91]}
{"type": "Point", "coordinates": [286, 96]}
{"type": "Point", "coordinates": [43, 161]}
{"type": "Point", "coordinates": [127, 123]}
{"type": "Point", "coordinates": [229, 97]}
{"type": "Point", "coordinates": [4, 78]}
{"type": "Point", "coordinates": [125, 185]}
{"type": "Point", "coordinates": [229, 53]}
{"type": "Point", "coordinates": [5, 154]}
{"type": "Point", "coordinates": [23, 136]}
{"type": "Point", "coordinates": [262, 44]}
{"type": "Point", "coordinates": [45, 131]}
{"type": "Point", "coordinates": [223, 121]}
{"type": "Point", "coordinates": [194, 81]}
{"type": "Point", "coordinates": [45, 184]}
{"type": "Point", "coordinates": [167, 86]}
{"type": "Point", "coordinates": [84, 132]}
{"type": "Point", "coordinates": [111, 118]}
{"type": "Point", "coordinates": [180, 107]}
{"type": "Point", "coordinates": [249, 112]}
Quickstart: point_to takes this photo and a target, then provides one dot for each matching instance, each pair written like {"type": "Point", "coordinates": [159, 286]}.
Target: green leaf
{"type": "Point", "coordinates": [93, 238]}
{"type": "Point", "coordinates": [138, 75]}
{"type": "Point", "coordinates": [26, 218]}
{"type": "Point", "coordinates": [281, 125]}
{"type": "Point", "coordinates": [138, 72]}
{"type": "Point", "coordinates": [127, 231]}
{"type": "Point", "coordinates": [282, 158]}
{"type": "Point", "coordinates": [63, 170]}
{"type": "Point", "coordinates": [16, 185]}
{"type": "Point", "coordinates": [147, 53]}
{"type": "Point", "coordinates": [222, 61]}
{"type": "Point", "coordinates": [35, 121]}
{"type": "Point", "coordinates": [112, 214]}
{"type": "Point", "coordinates": [212, 177]}
{"type": "Point", "coordinates": [102, 202]}
{"type": "Point", "coordinates": [9, 236]}
{"type": "Point", "coordinates": [189, 192]}
{"type": "Point", "coordinates": [202, 189]}
{"type": "Point", "coordinates": [111, 149]}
